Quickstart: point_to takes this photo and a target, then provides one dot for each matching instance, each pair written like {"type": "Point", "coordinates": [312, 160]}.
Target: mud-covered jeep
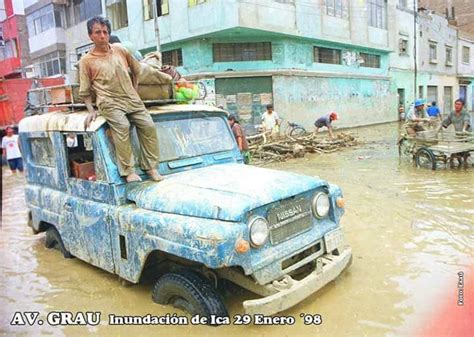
{"type": "Point", "coordinates": [212, 219]}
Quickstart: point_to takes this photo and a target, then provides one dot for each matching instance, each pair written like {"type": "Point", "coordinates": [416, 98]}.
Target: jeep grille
{"type": "Point", "coordinates": [289, 219]}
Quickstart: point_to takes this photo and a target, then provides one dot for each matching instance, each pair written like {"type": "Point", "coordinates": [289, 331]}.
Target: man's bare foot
{"type": "Point", "coordinates": [133, 177]}
{"type": "Point", "coordinates": [154, 175]}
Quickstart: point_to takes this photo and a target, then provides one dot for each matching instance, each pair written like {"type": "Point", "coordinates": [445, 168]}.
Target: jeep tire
{"type": "Point", "coordinates": [190, 292]}
{"type": "Point", "coordinates": [53, 240]}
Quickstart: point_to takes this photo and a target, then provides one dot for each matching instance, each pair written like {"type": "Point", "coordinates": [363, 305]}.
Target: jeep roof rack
{"type": "Point", "coordinates": [66, 98]}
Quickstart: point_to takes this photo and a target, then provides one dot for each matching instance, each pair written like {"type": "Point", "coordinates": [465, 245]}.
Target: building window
{"type": "Point", "coordinates": [252, 51]}
{"type": "Point", "coordinates": [10, 49]}
{"type": "Point", "coordinates": [337, 8]}
{"type": "Point", "coordinates": [43, 19]}
{"type": "Point", "coordinates": [433, 52]}
{"type": "Point", "coordinates": [162, 8]}
{"type": "Point", "coordinates": [432, 94]}
{"type": "Point", "coordinates": [173, 57]}
{"type": "Point", "coordinates": [327, 55]}
{"type": "Point", "coordinates": [449, 56]}
{"type": "Point", "coordinates": [117, 13]}
{"type": "Point", "coordinates": [420, 91]}
{"type": "Point", "coordinates": [370, 60]}
{"type": "Point", "coordinates": [83, 10]}
{"type": "Point", "coordinates": [192, 3]}
{"type": "Point", "coordinates": [402, 3]}
{"type": "Point", "coordinates": [465, 54]}
{"type": "Point", "coordinates": [403, 47]}
{"type": "Point", "coordinates": [377, 13]}
{"type": "Point", "coordinates": [51, 64]}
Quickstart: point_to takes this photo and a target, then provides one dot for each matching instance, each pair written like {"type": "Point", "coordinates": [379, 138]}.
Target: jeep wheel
{"type": "Point", "coordinates": [190, 292]}
{"type": "Point", "coordinates": [53, 240]}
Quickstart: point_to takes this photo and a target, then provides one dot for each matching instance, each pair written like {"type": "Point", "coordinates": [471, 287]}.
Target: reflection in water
{"type": "Point", "coordinates": [411, 231]}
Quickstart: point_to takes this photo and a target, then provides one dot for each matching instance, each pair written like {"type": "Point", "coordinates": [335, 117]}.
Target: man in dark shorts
{"type": "Point", "coordinates": [11, 150]}
{"type": "Point", "coordinates": [239, 137]}
{"type": "Point", "coordinates": [325, 121]}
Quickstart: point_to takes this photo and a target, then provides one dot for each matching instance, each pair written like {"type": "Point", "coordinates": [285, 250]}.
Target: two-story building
{"type": "Point", "coordinates": [437, 80]}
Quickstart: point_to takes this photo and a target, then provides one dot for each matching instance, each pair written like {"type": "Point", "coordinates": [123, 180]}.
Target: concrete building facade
{"type": "Point", "coordinates": [308, 58]}
{"type": "Point", "coordinates": [57, 33]}
{"type": "Point", "coordinates": [438, 60]}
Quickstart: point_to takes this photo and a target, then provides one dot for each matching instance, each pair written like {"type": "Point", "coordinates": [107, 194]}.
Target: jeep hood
{"type": "Point", "coordinates": [223, 192]}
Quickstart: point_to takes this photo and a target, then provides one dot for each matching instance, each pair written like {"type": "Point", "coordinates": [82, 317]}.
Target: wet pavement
{"type": "Point", "coordinates": [411, 231]}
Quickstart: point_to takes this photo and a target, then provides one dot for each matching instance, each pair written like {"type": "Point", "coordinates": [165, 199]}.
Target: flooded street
{"type": "Point", "coordinates": [411, 231]}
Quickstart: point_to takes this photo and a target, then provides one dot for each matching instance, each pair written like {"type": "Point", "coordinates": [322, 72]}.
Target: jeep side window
{"type": "Point", "coordinates": [80, 155]}
{"type": "Point", "coordinates": [42, 153]}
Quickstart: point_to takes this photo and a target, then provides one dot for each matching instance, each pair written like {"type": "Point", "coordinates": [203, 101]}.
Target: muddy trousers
{"type": "Point", "coordinates": [120, 123]}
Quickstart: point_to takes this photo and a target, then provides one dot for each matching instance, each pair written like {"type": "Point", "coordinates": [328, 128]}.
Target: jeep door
{"type": "Point", "coordinates": [89, 201]}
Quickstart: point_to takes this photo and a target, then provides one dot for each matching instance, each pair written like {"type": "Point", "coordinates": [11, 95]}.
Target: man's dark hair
{"type": "Point", "coordinates": [460, 100]}
{"type": "Point", "coordinates": [269, 106]}
{"type": "Point", "coordinates": [433, 103]}
{"type": "Point", "coordinates": [232, 117]}
{"type": "Point", "coordinates": [100, 20]}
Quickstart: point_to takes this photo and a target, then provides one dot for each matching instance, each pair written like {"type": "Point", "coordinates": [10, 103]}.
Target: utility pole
{"type": "Point", "coordinates": [157, 28]}
{"type": "Point", "coordinates": [414, 51]}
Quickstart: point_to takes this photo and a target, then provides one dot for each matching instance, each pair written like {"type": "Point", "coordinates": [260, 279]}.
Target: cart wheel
{"type": "Point", "coordinates": [425, 158]}
{"type": "Point", "coordinates": [297, 131]}
{"type": "Point", "coordinates": [405, 148]}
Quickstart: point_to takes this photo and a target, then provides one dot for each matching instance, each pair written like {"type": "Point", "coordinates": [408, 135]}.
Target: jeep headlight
{"type": "Point", "coordinates": [320, 205]}
{"type": "Point", "coordinates": [258, 228]}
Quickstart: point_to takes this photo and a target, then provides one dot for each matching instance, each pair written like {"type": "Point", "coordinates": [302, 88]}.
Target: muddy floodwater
{"type": "Point", "coordinates": [411, 231]}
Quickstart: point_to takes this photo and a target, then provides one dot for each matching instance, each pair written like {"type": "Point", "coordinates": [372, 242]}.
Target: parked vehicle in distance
{"type": "Point", "coordinates": [213, 218]}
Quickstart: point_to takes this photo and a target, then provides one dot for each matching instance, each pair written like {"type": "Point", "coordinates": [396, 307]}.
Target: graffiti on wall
{"type": "Point", "coordinates": [207, 89]}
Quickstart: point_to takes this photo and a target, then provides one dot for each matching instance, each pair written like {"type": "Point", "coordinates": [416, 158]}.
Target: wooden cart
{"type": "Point", "coordinates": [431, 150]}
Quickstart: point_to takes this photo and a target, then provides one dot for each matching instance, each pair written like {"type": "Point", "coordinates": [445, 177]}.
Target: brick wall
{"type": "Point", "coordinates": [463, 11]}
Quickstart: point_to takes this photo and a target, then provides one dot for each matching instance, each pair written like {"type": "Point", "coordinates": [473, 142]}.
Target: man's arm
{"type": "Point", "coordinates": [85, 93]}
{"type": "Point", "coordinates": [4, 147]}
{"type": "Point", "coordinates": [92, 115]}
{"type": "Point", "coordinates": [239, 142]}
{"type": "Point", "coordinates": [467, 122]}
{"type": "Point", "coordinates": [331, 134]}
{"type": "Point", "coordinates": [445, 123]}
{"type": "Point", "coordinates": [277, 118]}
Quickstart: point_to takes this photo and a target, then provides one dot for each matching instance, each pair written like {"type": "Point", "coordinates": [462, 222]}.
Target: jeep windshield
{"type": "Point", "coordinates": [190, 137]}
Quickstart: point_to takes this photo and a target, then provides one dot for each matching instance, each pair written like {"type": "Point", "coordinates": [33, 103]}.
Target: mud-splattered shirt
{"type": "Point", "coordinates": [107, 76]}
{"type": "Point", "coordinates": [458, 120]}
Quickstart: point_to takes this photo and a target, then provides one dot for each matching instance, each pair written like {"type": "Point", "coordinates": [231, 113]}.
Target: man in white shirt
{"type": "Point", "coordinates": [11, 150]}
{"type": "Point", "coordinates": [270, 119]}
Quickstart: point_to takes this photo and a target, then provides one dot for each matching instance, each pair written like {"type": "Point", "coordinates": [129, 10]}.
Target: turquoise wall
{"type": "Point", "coordinates": [286, 54]}
{"type": "Point", "coordinates": [357, 101]}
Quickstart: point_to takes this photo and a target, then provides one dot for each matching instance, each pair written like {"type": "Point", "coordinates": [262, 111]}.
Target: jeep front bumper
{"type": "Point", "coordinates": [290, 291]}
